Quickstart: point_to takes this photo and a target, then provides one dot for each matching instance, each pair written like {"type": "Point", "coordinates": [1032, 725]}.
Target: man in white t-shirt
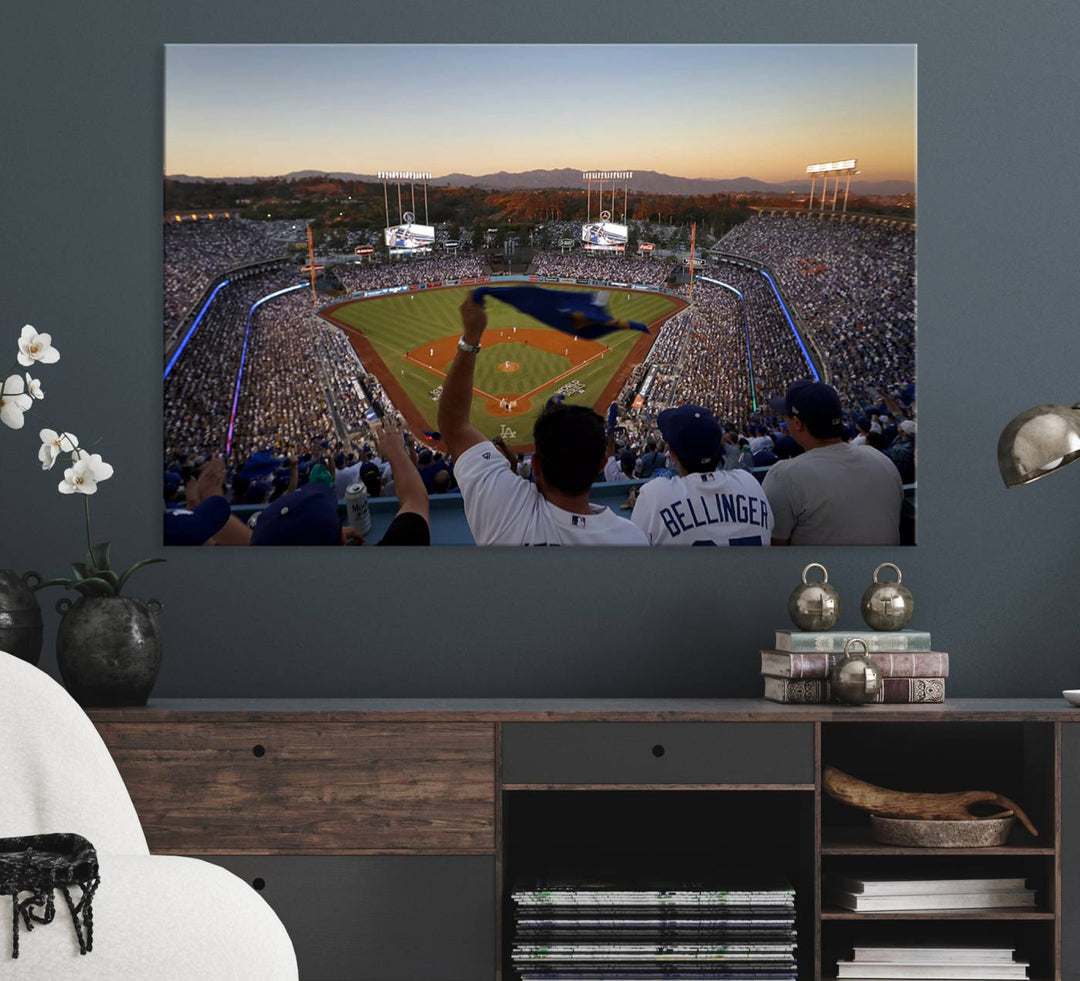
{"type": "Point", "coordinates": [701, 505]}
{"type": "Point", "coordinates": [503, 509]}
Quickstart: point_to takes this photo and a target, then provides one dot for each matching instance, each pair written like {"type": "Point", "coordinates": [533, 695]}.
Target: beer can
{"type": "Point", "coordinates": [356, 508]}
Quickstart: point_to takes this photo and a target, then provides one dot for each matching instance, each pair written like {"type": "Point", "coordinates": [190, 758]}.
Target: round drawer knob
{"type": "Point", "coordinates": [658, 750]}
{"type": "Point", "coordinates": [258, 750]}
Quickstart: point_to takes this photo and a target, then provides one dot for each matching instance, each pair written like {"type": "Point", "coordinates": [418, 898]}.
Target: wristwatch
{"type": "Point", "coordinates": [464, 345]}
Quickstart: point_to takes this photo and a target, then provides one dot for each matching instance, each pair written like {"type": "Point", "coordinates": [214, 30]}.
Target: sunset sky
{"type": "Point", "coordinates": [715, 111]}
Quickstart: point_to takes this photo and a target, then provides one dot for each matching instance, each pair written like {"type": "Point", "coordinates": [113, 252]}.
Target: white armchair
{"type": "Point", "coordinates": [156, 917]}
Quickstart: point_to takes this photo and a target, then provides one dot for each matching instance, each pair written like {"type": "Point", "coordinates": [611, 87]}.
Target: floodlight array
{"type": "Point", "coordinates": [404, 175]}
{"type": "Point", "coordinates": [838, 166]}
{"type": "Point", "coordinates": [607, 175]}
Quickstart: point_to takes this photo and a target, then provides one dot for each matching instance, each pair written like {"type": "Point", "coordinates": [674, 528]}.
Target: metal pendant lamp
{"type": "Point", "coordinates": [1041, 440]}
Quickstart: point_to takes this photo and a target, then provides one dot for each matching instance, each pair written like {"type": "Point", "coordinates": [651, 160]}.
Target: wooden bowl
{"type": "Point", "coordinates": [917, 833]}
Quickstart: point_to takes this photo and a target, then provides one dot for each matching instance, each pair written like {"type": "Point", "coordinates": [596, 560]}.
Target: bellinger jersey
{"type": "Point", "coordinates": [724, 507]}
{"type": "Point", "coordinates": [504, 509]}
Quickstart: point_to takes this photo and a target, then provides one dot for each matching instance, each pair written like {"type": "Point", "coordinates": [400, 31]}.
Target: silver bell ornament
{"type": "Point", "coordinates": [814, 605]}
{"type": "Point", "coordinates": [855, 679]}
{"type": "Point", "coordinates": [887, 605]}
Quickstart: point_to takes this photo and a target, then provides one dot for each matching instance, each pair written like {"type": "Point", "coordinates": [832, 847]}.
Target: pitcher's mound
{"type": "Point", "coordinates": [508, 405]}
{"type": "Point", "coordinates": [506, 367]}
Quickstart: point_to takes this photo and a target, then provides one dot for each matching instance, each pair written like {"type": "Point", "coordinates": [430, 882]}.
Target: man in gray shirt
{"type": "Point", "coordinates": [835, 493]}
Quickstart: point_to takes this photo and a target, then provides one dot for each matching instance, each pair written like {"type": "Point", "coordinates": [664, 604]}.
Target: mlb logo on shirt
{"type": "Point", "coordinates": [578, 520]}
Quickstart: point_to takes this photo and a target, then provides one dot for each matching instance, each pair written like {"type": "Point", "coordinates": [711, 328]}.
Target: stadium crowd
{"type": "Point", "coordinates": [304, 397]}
{"type": "Point", "coordinates": [284, 401]}
{"type": "Point", "coordinates": [429, 269]}
{"type": "Point", "coordinates": [609, 267]}
{"type": "Point", "coordinates": [199, 388]}
{"type": "Point", "coordinates": [197, 252]}
{"type": "Point", "coordinates": [853, 284]}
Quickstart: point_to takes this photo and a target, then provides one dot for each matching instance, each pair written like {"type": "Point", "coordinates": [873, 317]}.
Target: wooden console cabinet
{"type": "Point", "coordinates": [387, 833]}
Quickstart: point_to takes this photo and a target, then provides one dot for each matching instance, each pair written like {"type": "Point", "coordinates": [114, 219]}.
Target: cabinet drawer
{"type": "Point", "coordinates": [229, 788]}
{"type": "Point", "coordinates": [381, 918]}
{"type": "Point", "coordinates": [695, 753]}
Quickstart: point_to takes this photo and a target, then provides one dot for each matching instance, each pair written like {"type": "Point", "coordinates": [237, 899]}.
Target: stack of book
{"type": "Point", "coordinates": [579, 931]}
{"type": "Point", "coordinates": [939, 963]}
{"type": "Point", "coordinates": [895, 893]}
{"type": "Point", "coordinates": [796, 671]}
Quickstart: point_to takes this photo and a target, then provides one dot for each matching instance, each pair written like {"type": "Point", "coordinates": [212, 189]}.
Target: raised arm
{"type": "Point", "coordinates": [892, 405]}
{"type": "Point", "coordinates": [412, 496]}
{"type": "Point", "coordinates": [456, 403]}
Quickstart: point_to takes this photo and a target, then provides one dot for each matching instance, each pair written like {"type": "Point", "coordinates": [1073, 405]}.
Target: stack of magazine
{"type": "Point", "coordinates": [580, 931]}
{"type": "Point", "coordinates": [901, 893]}
{"type": "Point", "coordinates": [938, 963]}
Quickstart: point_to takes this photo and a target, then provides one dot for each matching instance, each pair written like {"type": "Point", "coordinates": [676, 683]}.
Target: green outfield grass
{"type": "Point", "coordinates": [534, 368]}
{"type": "Point", "coordinates": [395, 325]}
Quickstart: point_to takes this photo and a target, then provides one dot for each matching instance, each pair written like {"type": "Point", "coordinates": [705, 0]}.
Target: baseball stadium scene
{"type": "Point", "coordinates": [510, 310]}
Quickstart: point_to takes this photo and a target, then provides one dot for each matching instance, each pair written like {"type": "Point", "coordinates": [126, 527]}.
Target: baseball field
{"type": "Point", "coordinates": [408, 340]}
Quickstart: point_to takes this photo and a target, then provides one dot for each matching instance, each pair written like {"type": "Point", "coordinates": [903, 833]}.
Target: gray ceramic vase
{"type": "Point", "coordinates": [21, 629]}
{"type": "Point", "coordinates": [108, 649]}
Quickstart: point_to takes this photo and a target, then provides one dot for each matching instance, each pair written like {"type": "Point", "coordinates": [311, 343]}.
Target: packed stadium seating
{"type": "Point", "coordinates": [197, 252]}
{"type": "Point", "coordinates": [850, 284]}
{"type": "Point", "coordinates": [429, 269]}
{"type": "Point", "coordinates": [853, 283]}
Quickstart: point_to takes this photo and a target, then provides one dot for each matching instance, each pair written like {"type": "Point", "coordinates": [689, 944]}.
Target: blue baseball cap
{"type": "Point", "coordinates": [199, 525]}
{"type": "Point", "coordinates": [308, 516]}
{"type": "Point", "coordinates": [693, 434]}
{"type": "Point", "coordinates": [260, 464]}
{"type": "Point", "coordinates": [257, 492]}
{"type": "Point", "coordinates": [816, 404]}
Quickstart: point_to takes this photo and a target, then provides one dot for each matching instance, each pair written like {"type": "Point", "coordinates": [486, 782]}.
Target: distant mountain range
{"type": "Point", "coordinates": [644, 181]}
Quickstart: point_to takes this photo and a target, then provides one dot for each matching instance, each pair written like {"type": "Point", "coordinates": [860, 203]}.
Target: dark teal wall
{"type": "Point", "coordinates": [995, 577]}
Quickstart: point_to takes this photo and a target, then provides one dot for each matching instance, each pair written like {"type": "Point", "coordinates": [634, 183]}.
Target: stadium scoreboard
{"type": "Point", "coordinates": [409, 237]}
{"type": "Point", "coordinates": [604, 235]}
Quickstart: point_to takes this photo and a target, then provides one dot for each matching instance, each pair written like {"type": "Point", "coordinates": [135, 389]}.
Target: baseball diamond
{"type": "Point", "coordinates": [408, 341]}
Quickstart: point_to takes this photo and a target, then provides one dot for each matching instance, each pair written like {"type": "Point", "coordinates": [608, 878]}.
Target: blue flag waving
{"type": "Point", "coordinates": [582, 314]}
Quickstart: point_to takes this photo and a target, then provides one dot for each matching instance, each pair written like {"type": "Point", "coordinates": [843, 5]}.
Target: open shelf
{"type": "Point", "coordinates": [709, 836]}
{"type": "Point", "coordinates": [1003, 913]}
{"type": "Point", "coordinates": [1031, 938]}
{"type": "Point", "coordinates": [860, 841]}
{"type": "Point", "coordinates": [1016, 759]}
{"type": "Point", "coordinates": [707, 829]}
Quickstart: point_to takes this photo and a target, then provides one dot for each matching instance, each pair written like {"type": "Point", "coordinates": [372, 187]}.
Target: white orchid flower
{"type": "Point", "coordinates": [14, 401]}
{"type": "Point", "coordinates": [33, 387]}
{"type": "Point", "coordinates": [53, 444]}
{"type": "Point", "coordinates": [36, 347]}
{"type": "Point", "coordinates": [83, 476]}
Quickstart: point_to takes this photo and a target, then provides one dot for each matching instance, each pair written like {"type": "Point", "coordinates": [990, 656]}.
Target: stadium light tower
{"type": "Point", "coordinates": [835, 168]}
{"type": "Point", "coordinates": [614, 176]}
{"type": "Point", "coordinates": [397, 177]}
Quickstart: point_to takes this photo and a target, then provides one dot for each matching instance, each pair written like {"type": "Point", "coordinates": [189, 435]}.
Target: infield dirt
{"type": "Point", "coordinates": [546, 358]}
{"type": "Point", "coordinates": [503, 347]}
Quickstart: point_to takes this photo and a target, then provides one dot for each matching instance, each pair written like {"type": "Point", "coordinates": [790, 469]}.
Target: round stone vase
{"type": "Point", "coordinates": [108, 649]}
{"type": "Point", "coordinates": [21, 629]}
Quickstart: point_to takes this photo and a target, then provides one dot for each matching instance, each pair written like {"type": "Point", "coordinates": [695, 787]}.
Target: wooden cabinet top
{"type": "Point", "coordinates": [580, 710]}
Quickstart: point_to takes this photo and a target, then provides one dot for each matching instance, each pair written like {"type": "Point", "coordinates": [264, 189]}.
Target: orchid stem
{"type": "Point", "coordinates": [89, 547]}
